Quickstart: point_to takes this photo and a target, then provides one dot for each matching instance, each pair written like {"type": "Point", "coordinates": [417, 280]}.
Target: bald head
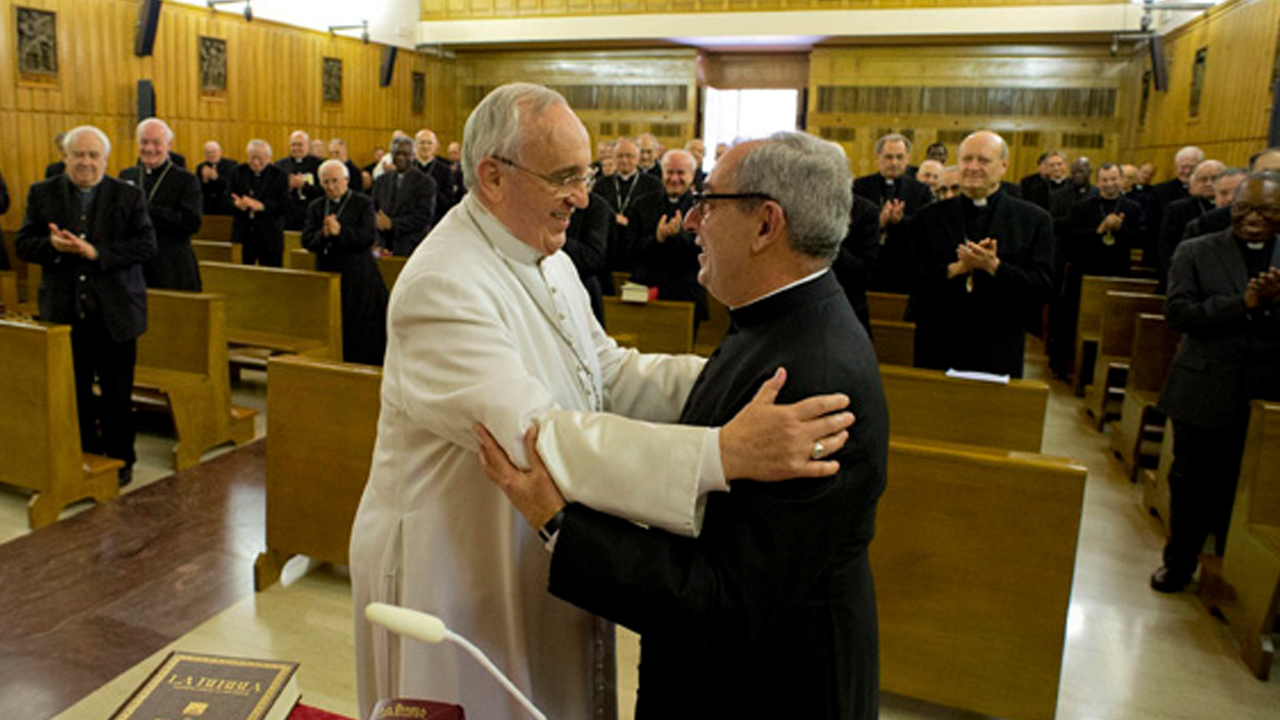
{"type": "Point", "coordinates": [984, 157]}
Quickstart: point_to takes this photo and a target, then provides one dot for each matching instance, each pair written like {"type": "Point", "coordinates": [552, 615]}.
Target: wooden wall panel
{"type": "Point", "coordinates": [668, 110]}
{"type": "Point", "coordinates": [1037, 97]}
{"type": "Point", "coordinates": [476, 9]}
{"type": "Point", "coordinates": [1241, 38]}
{"type": "Point", "coordinates": [273, 76]}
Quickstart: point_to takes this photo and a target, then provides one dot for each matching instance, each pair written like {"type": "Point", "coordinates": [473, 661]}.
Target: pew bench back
{"type": "Point", "coordinates": [279, 310]}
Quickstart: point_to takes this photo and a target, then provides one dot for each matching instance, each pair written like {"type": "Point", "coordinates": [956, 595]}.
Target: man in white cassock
{"type": "Point", "coordinates": [489, 324]}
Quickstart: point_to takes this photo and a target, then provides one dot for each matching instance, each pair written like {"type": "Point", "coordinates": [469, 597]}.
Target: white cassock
{"type": "Point", "coordinates": [483, 329]}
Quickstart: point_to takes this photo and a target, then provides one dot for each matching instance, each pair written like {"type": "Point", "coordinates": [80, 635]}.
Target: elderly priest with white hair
{"type": "Point", "coordinates": [489, 324]}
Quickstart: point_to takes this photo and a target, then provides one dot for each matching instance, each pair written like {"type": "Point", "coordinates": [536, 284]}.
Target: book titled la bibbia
{"type": "Point", "coordinates": [415, 709]}
{"type": "Point", "coordinates": [193, 686]}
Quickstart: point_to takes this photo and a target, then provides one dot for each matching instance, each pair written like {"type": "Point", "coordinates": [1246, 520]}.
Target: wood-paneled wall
{"type": "Point", "coordinates": [616, 93]}
{"type": "Point", "coordinates": [1241, 40]}
{"type": "Point", "coordinates": [273, 79]}
{"type": "Point", "coordinates": [475, 9]}
{"type": "Point", "coordinates": [1037, 97]}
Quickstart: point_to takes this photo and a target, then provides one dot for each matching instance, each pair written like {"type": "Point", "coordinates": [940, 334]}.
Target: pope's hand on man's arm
{"type": "Point", "coordinates": [764, 441]}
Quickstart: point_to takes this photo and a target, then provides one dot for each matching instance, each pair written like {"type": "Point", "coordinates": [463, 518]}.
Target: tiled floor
{"type": "Point", "coordinates": [1131, 653]}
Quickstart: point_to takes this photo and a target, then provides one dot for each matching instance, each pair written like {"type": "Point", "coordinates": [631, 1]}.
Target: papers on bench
{"type": "Point", "coordinates": [979, 376]}
{"type": "Point", "coordinates": [636, 293]}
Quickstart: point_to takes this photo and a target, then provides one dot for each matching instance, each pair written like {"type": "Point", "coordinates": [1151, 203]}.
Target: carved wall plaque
{"type": "Point", "coordinates": [332, 80]}
{"type": "Point", "coordinates": [213, 66]}
{"type": "Point", "coordinates": [37, 45]}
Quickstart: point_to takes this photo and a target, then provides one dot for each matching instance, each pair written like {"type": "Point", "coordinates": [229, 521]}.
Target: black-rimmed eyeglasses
{"type": "Point", "coordinates": [701, 200]}
{"type": "Point", "coordinates": [563, 182]}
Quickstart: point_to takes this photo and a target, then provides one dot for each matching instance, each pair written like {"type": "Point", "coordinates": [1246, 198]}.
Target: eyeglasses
{"type": "Point", "coordinates": [701, 200]}
{"type": "Point", "coordinates": [563, 182]}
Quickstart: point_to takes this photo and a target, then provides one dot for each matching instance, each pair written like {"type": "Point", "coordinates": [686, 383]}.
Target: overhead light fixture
{"type": "Point", "coordinates": [248, 9]}
{"type": "Point", "coordinates": [363, 27]}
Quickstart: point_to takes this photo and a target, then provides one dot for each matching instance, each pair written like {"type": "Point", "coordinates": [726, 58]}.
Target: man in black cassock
{"type": "Point", "coordinates": [427, 160]}
{"type": "Point", "coordinates": [405, 201]}
{"type": "Point", "coordinates": [1176, 215]}
{"type": "Point", "coordinates": [899, 197]}
{"type": "Point", "coordinates": [301, 168]}
{"type": "Point", "coordinates": [587, 243]}
{"type": "Point", "coordinates": [340, 231]}
{"type": "Point", "coordinates": [1224, 297]}
{"type": "Point", "coordinates": [620, 190]}
{"type": "Point", "coordinates": [259, 194]}
{"type": "Point", "coordinates": [174, 205]}
{"type": "Point", "coordinates": [1164, 194]}
{"type": "Point", "coordinates": [214, 175]}
{"type": "Point", "coordinates": [1050, 175]}
{"type": "Point", "coordinates": [981, 268]}
{"type": "Point", "coordinates": [92, 235]}
{"type": "Point", "coordinates": [770, 612]}
{"type": "Point", "coordinates": [663, 253]}
{"type": "Point", "coordinates": [856, 263]}
{"type": "Point", "coordinates": [1101, 231]}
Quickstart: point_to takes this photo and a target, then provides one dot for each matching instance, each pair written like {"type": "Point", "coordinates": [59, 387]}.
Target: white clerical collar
{"type": "Point", "coordinates": [502, 239]}
{"type": "Point", "coordinates": [784, 288]}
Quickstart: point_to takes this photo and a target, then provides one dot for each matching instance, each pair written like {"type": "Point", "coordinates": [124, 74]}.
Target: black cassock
{"type": "Point", "coordinates": [672, 265]}
{"type": "Point", "coordinates": [586, 242]}
{"type": "Point", "coordinates": [175, 205]}
{"type": "Point", "coordinates": [771, 611]}
{"type": "Point", "coordinates": [364, 293]}
{"type": "Point", "coordinates": [855, 265]}
{"type": "Point", "coordinates": [978, 321]}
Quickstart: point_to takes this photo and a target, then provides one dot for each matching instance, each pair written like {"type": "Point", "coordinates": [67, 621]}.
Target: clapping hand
{"type": "Point", "coordinates": [667, 228]}
{"type": "Point", "coordinates": [1265, 288]}
{"type": "Point", "coordinates": [65, 241]}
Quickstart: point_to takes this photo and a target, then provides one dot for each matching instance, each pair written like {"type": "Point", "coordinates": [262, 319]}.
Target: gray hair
{"type": "Point", "coordinates": [168, 132]}
{"type": "Point", "coordinates": [1189, 151]}
{"type": "Point", "coordinates": [259, 144]}
{"type": "Point", "coordinates": [1231, 172]}
{"type": "Point", "coordinates": [334, 162]}
{"type": "Point", "coordinates": [693, 162]}
{"type": "Point", "coordinates": [76, 132]}
{"type": "Point", "coordinates": [893, 137]}
{"type": "Point", "coordinates": [495, 126]}
{"type": "Point", "coordinates": [809, 177]}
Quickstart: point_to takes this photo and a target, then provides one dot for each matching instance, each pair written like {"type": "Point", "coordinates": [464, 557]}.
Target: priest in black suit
{"type": "Point", "coordinates": [663, 253]}
{"type": "Point", "coordinates": [981, 268]}
{"type": "Point", "coordinates": [92, 235]}
{"type": "Point", "coordinates": [405, 201]}
{"type": "Point", "coordinates": [1176, 215]}
{"type": "Point", "coordinates": [427, 160]}
{"type": "Point", "coordinates": [174, 204]}
{"type": "Point", "coordinates": [1050, 175]}
{"type": "Point", "coordinates": [214, 175]}
{"type": "Point", "coordinates": [619, 191]}
{"type": "Point", "coordinates": [1166, 193]}
{"type": "Point", "coordinates": [1224, 297]}
{"type": "Point", "coordinates": [856, 263]}
{"type": "Point", "coordinates": [259, 195]}
{"type": "Point", "coordinates": [899, 197]}
{"type": "Point", "coordinates": [587, 244]}
{"type": "Point", "coordinates": [771, 611]}
{"type": "Point", "coordinates": [340, 232]}
{"type": "Point", "coordinates": [300, 169]}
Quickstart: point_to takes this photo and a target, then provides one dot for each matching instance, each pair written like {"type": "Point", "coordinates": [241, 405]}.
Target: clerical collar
{"type": "Point", "coordinates": [627, 178]}
{"type": "Point", "coordinates": [782, 289]}
{"type": "Point", "coordinates": [888, 180]}
{"type": "Point", "coordinates": [148, 170]}
{"type": "Point", "coordinates": [502, 239]}
{"type": "Point", "coordinates": [801, 295]}
{"type": "Point", "coordinates": [982, 202]}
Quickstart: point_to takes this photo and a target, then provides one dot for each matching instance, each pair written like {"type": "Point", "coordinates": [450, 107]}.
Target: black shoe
{"type": "Point", "coordinates": [126, 475]}
{"type": "Point", "coordinates": [1167, 581]}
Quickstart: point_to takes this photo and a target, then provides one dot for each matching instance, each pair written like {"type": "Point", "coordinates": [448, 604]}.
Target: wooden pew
{"type": "Point", "coordinates": [292, 241]}
{"type": "Point", "coordinates": [894, 341]}
{"type": "Point", "coordinates": [1093, 291]}
{"type": "Point", "coordinates": [1249, 596]}
{"type": "Point", "coordinates": [216, 228]}
{"type": "Point", "coordinates": [661, 326]}
{"type": "Point", "coordinates": [300, 259]}
{"type": "Point", "coordinates": [1155, 482]}
{"type": "Point", "coordinates": [1154, 345]}
{"type": "Point", "coordinates": [218, 251]}
{"type": "Point", "coordinates": [620, 278]}
{"type": "Point", "coordinates": [887, 306]}
{"type": "Point", "coordinates": [322, 421]}
{"type": "Point", "coordinates": [273, 310]}
{"type": "Point", "coordinates": [35, 274]}
{"type": "Point", "coordinates": [973, 562]}
{"type": "Point", "coordinates": [1115, 346]}
{"type": "Point", "coordinates": [391, 266]}
{"type": "Point", "coordinates": [182, 365]}
{"type": "Point", "coordinates": [928, 406]}
{"type": "Point", "coordinates": [9, 291]}
{"type": "Point", "coordinates": [39, 427]}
